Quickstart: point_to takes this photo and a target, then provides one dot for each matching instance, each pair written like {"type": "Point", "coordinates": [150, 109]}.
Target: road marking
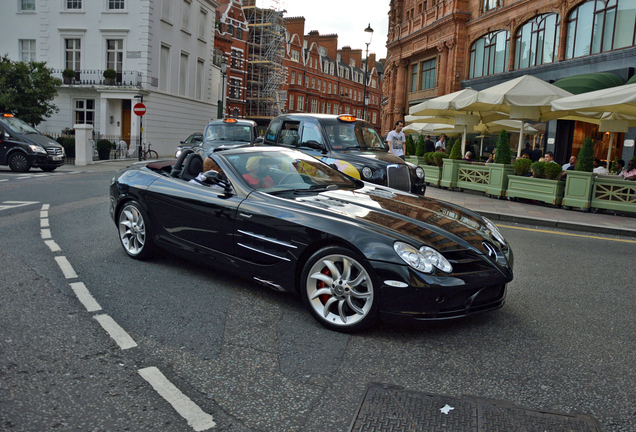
{"type": "Point", "coordinates": [4, 180]}
{"type": "Point", "coordinates": [115, 331]}
{"type": "Point", "coordinates": [567, 234]}
{"type": "Point", "coordinates": [14, 204]}
{"type": "Point", "coordinates": [85, 297]}
{"type": "Point", "coordinates": [46, 233]}
{"type": "Point", "coordinates": [196, 417]}
{"type": "Point", "coordinates": [44, 214]}
{"type": "Point", "coordinates": [46, 206]}
{"type": "Point", "coordinates": [44, 223]}
{"type": "Point", "coordinates": [66, 267]}
{"type": "Point", "coordinates": [53, 246]}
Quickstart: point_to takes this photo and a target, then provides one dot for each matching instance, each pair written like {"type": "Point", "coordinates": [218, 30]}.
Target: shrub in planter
{"type": "Point", "coordinates": [538, 169]}
{"type": "Point", "coordinates": [553, 171]}
{"type": "Point", "coordinates": [438, 158]}
{"type": "Point", "coordinates": [104, 147]}
{"type": "Point", "coordinates": [456, 152]}
{"type": "Point", "coordinates": [522, 166]}
{"type": "Point", "coordinates": [585, 161]}
{"type": "Point", "coordinates": [68, 73]}
{"type": "Point", "coordinates": [428, 158]}
{"type": "Point", "coordinates": [110, 73]}
{"type": "Point", "coordinates": [68, 144]}
{"type": "Point", "coordinates": [503, 154]}
{"type": "Point", "coordinates": [420, 148]}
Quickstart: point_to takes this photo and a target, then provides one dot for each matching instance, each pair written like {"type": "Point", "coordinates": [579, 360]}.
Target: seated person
{"type": "Point", "coordinates": [208, 165]}
{"type": "Point", "coordinates": [620, 167]}
{"type": "Point", "coordinates": [468, 157]}
{"type": "Point", "coordinates": [257, 174]}
{"type": "Point", "coordinates": [600, 167]}
{"type": "Point", "coordinates": [630, 171]}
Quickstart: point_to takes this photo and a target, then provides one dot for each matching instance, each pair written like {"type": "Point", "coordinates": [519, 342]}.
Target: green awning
{"type": "Point", "coordinates": [632, 80]}
{"type": "Point", "coordinates": [584, 83]}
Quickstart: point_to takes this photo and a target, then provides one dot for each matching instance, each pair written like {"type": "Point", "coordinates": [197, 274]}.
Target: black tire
{"type": "Point", "coordinates": [19, 162]}
{"type": "Point", "coordinates": [135, 233]}
{"type": "Point", "coordinates": [346, 303]}
{"type": "Point", "coordinates": [48, 169]}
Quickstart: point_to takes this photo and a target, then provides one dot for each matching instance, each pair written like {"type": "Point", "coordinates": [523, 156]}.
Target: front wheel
{"type": "Point", "coordinates": [338, 287]}
{"type": "Point", "coordinates": [152, 155]}
{"type": "Point", "coordinates": [19, 162]}
{"type": "Point", "coordinates": [135, 231]}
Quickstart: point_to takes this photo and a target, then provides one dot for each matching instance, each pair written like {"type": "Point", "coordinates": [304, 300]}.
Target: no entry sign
{"type": "Point", "coordinates": [139, 109]}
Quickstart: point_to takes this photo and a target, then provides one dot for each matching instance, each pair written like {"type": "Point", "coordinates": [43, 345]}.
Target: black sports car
{"type": "Point", "coordinates": [354, 251]}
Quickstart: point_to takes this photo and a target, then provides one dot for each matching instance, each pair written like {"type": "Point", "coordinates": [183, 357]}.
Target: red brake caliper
{"type": "Point", "coordinates": [321, 284]}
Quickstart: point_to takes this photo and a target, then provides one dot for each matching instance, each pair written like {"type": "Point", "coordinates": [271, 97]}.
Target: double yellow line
{"type": "Point", "coordinates": [567, 234]}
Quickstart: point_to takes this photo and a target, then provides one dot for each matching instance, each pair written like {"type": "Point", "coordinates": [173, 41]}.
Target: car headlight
{"type": "Point", "coordinates": [495, 231]}
{"type": "Point", "coordinates": [423, 259]}
{"type": "Point", "coordinates": [367, 172]}
{"type": "Point", "coordinates": [419, 172]}
{"type": "Point", "coordinates": [177, 153]}
{"type": "Point", "coordinates": [37, 149]}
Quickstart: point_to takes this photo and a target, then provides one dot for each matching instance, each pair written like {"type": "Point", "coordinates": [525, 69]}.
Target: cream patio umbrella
{"type": "Point", "coordinates": [523, 98]}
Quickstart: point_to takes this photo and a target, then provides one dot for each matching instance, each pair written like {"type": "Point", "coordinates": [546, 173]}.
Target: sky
{"type": "Point", "coordinates": [347, 19]}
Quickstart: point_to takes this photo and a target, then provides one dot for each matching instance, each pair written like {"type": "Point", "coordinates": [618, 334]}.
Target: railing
{"type": "Point", "coordinates": [96, 77]}
{"type": "Point", "coordinates": [614, 193]}
{"type": "Point", "coordinates": [121, 150]}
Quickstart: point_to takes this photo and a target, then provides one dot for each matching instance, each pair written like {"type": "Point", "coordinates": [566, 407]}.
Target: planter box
{"type": "Point", "coordinates": [450, 171]}
{"type": "Point", "coordinates": [548, 191]}
{"type": "Point", "coordinates": [612, 193]}
{"type": "Point", "coordinates": [578, 189]}
{"type": "Point", "coordinates": [433, 174]}
{"type": "Point", "coordinates": [416, 160]}
{"type": "Point", "coordinates": [491, 179]}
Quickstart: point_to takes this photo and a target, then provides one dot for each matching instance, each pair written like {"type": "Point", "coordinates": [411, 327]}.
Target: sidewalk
{"type": "Point", "coordinates": [495, 209]}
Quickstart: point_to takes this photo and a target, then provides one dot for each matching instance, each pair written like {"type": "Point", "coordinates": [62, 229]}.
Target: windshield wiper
{"type": "Point", "coordinates": [311, 189]}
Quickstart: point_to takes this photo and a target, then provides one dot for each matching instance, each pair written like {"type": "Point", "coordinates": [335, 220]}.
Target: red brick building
{"type": "Point", "coordinates": [436, 47]}
{"type": "Point", "coordinates": [320, 78]}
{"type": "Point", "coordinates": [230, 39]}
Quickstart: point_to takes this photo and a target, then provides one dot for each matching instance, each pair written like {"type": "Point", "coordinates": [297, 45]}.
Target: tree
{"type": "Point", "coordinates": [585, 161]}
{"type": "Point", "coordinates": [27, 89]}
{"type": "Point", "coordinates": [503, 154]}
{"type": "Point", "coordinates": [420, 148]}
{"type": "Point", "coordinates": [456, 152]}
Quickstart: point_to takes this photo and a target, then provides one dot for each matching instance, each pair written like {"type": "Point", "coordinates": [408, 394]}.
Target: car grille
{"type": "Point", "coordinates": [466, 261]}
{"type": "Point", "coordinates": [53, 151]}
{"type": "Point", "coordinates": [398, 177]}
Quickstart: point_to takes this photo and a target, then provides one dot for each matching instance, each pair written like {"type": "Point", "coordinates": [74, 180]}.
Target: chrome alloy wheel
{"type": "Point", "coordinates": [132, 230]}
{"type": "Point", "coordinates": [340, 290]}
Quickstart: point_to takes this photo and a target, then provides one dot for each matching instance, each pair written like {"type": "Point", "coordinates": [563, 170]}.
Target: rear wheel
{"type": "Point", "coordinates": [152, 155]}
{"type": "Point", "coordinates": [19, 162]}
{"type": "Point", "coordinates": [338, 287]}
{"type": "Point", "coordinates": [135, 231]}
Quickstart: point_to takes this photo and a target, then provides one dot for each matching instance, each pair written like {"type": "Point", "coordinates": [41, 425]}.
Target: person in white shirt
{"type": "Point", "coordinates": [569, 164]}
{"type": "Point", "coordinates": [600, 167]}
{"type": "Point", "coordinates": [397, 140]}
{"type": "Point", "coordinates": [441, 143]}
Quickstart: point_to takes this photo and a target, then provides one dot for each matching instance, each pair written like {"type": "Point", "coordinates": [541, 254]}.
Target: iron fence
{"type": "Point", "coordinates": [96, 77]}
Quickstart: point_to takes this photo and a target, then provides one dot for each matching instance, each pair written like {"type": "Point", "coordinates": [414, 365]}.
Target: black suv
{"type": "Point", "coordinates": [351, 145]}
{"type": "Point", "coordinates": [23, 147]}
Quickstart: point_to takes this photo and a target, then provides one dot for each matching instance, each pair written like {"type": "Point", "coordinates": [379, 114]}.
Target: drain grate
{"type": "Point", "coordinates": [392, 409]}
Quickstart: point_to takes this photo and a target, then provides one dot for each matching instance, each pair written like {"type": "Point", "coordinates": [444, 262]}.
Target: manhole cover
{"type": "Point", "coordinates": [387, 408]}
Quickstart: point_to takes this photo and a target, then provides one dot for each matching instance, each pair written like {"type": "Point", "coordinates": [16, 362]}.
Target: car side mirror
{"type": "Point", "coordinates": [315, 145]}
{"type": "Point", "coordinates": [213, 177]}
{"type": "Point", "coordinates": [258, 141]}
{"type": "Point", "coordinates": [182, 142]}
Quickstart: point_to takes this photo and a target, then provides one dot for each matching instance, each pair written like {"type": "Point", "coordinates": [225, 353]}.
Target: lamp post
{"type": "Point", "coordinates": [368, 34]}
{"type": "Point", "coordinates": [221, 113]}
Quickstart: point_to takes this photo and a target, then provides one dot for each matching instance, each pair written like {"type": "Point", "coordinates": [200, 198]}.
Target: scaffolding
{"type": "Point", "coordinates": [265, 71]}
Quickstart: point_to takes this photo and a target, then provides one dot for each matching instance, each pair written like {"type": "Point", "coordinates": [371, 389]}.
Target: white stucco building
{"type": "Point", "coordinates": [161, 49]}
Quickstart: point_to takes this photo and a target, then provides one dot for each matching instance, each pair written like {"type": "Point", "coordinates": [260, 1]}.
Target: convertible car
{"type": "Point", "coordinates": [355, 252]}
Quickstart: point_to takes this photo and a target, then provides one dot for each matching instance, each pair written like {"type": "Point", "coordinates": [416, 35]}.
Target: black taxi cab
{"type": "Point", "coordinates": [351, 145]}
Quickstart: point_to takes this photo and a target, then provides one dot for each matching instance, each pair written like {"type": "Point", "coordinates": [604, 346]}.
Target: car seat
{"type": "Point", "coordinates": [192, 167]}
{"type": "Point", "coordinates": [177, 168]}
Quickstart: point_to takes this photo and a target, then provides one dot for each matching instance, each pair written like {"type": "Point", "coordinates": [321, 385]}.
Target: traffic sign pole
{"type": "Point", "coordinates": [140, 110]}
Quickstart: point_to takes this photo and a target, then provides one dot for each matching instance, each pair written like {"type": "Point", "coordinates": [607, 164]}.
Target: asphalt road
{"type": "Point", "coordinates": [254, 360]}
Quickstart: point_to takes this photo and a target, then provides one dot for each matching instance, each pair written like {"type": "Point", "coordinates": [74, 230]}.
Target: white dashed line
{"type": "Point", "coordinates": [4, 180]}
{"type": "Point", "coordinates": [53, 246]}
{"type": "Point", "coordinates": [44, 214]}
{"type": "Point", "coordinates": [85, 297]}
{"type": "Point", "coordinates": [66, 267]}
{"type": "Point", "coordinates": [115, 331]}
{"type": "Point", "coordinates": [46, 233]}
{"type": "Point", "coordinates": [46, 206]}
{"type": "Point", "coordinates": [196, 417]}
{"type": "Point", "coordinates": [44, 223]}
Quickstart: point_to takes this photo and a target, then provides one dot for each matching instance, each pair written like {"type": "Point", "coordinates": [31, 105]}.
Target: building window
{"type": "Point", "coordinates": [329, 88]}
{"type": "Point", "coordinates": [537, 42]}
{"type": "Point", "coordinates": [428, 74]}
{"type": "Point", "coordinates": [291, 102]}
{"type": "Point", "coordinates": [374, 117]}
{"type": "Point", "coordinates": [230, 30]}
{"type": "Point", "coordinates": [235, 88]}
{"type": "Point", "coordinates": [72, 53]}
{"type": "Point", "coordinates": [324, 86]}
{"type": "Point", "coordinates": [414, 78]}
{"type": "Point", "coordinates": [489, 54]}
{"type": "Point", "coordinates": [314, 105]}
{"type": "Point", "coordinates": [301, 103]}
{"type": "Point", "coordinates": [27, 50]}
{"type": "Point", "coordinates": [203, 20]}
{"type": "Point", "coordinates": [295, 55]}
{"type": "Point", "coordinates": [73, 4]}
{"type": "Point", "coordinates": [490, 5]}
{"type": "Point", "coordinates": [313, 83]}
{"type": "Point", "coordinates": [236, 59]}
{"type": "Point", "coordinates": [85, 111]}
{"type": "Point", "coordinates": [595, 27]}
{"type": "Point", "coordinates": [185, 17]}
{"type": "Point", "coordinates": [164, 68]}
{"type": "Point", "coordinates": [336, 108]}
{"type": "Point", "coordinates": [239, 33]}
{"type": "Point", "coordinates": [166, 10]}
{"type": "Point", "coordinates": [183, 74]}
{"type": "Point", "coordinates": [27, 5]}
{"type": "Point", "coordinates": [293, 78]}
{"type": "Point", "coordinates": [200, 79]}
{"type": "Point", "coordinates": [114, 54]}
{"type": "Point", "coordinates": [116, 4]}
{"type": "Point", "coordinates": [328, 107]}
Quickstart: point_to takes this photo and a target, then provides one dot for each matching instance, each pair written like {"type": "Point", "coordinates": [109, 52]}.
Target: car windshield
{"type": "Point", "coordinates": [287, 171]}
{"type": "Point", "coordinates": [228, 132]}
{"type": "Point", "coordinates": [358, 135]}
{"type": "Point", "coordinates": [18, 126]}
{"type": "Point", "coordinates": [193, 139]}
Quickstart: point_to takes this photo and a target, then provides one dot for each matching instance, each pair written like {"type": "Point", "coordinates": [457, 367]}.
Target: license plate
{"type": "Point", "coordinates": [56, 158]}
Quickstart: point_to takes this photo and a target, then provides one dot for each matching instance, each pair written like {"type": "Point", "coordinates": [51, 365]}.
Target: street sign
{"type": "Point", "coordinates": [139, 109]}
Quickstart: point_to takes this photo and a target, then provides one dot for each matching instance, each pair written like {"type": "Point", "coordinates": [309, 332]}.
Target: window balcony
{"type": "Point", "coordinates": [93, 77]}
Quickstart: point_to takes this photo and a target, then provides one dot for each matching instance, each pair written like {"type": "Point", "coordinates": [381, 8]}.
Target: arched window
{"type": "Point", "coordinates": [489, 54]}
{"type": "Point", "coordinates": [598, 26]}
{"type": "Point", "coordinates": [537, 42]}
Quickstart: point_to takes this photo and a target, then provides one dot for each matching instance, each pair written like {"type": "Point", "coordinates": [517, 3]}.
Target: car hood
{"type": "Point", "coordinates": [41, 140]}
{"type": "Point", "coordinates": [428, 221]}
{"type": "Point", "coordinates": [364, 157]}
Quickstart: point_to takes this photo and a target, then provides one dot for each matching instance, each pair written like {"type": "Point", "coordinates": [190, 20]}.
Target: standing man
{"type": "Point", "coordinates": [537, 153]}
{"type": "Point", "coordinates": [397, 140]}
{"type": "Point", "coordinates": [441, 143]}
{"type": "Point", "coordinates": [429, 145]}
